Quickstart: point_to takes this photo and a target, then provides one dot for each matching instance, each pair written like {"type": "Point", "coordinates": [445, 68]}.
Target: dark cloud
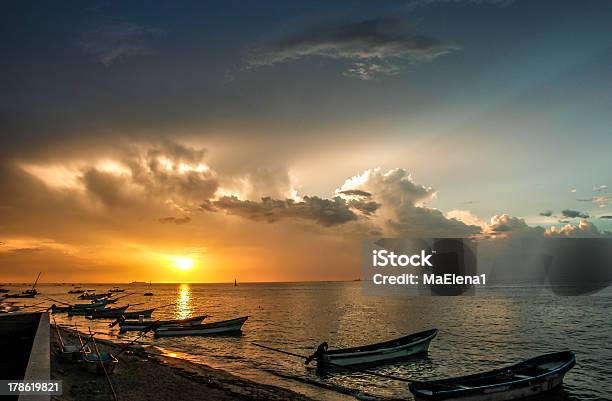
{"type": "Point", "coordinates": [356, 192]}
{"type": "Point", "coordinates": [175, 220]}
{"type": "Point", "coordinates": [546, 213]}
{"type": "Point", "coordinates": [572, 214]}
{"type": "Point", "coordinates": [327, 212]}
{"type": "Point", "coordinates": [375, 46]}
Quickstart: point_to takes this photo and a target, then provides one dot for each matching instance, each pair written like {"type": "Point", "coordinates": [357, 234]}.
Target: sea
{"type": "Point", "coordinates": [476, 333]}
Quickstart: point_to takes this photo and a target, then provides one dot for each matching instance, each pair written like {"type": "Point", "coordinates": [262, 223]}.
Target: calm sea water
{"type": "Point", "coordinates": [476, 333]}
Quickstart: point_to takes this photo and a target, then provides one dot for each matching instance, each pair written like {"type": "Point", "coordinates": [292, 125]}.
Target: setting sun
{"type": "Point", "coordinates": [182, 263]}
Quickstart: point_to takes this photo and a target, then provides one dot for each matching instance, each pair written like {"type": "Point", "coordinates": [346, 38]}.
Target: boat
{"type": "Point", "coordinates": [222, 327]}
{"type": "Point", "coordinates": [107, 312]}
{"type": "Point", "coordinates": [136, 315]}
{"type": "Point", "coordinates": [76, 292]}
{"type": "Point", "coordinates": [32, 291]}
{"type": "Point", "coordinates": [29, 295]}
{"type": "Point", "coordinates": [399, 348]}
{"type": "Point", "coordinates": [524, 379]}
{"type": "Point", "coordinates": [148, 294]}
{"type": "Point", "coordinates": [88, 295]}
{"type": "Point", "coordinates": [98, 362]}
{"type": "Point", "coordinates": [3, 290]}
{"type": "Point", "coordinates": [141, 324]}
{"type": "Point", "coordinates": [116, 290]}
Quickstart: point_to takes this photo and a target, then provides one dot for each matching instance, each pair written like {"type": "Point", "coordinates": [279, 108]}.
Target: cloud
{"type": "Point", "coordinates": [375, 47]}
{"type": "Point", "coordinates": [326, 212]}
{"type": "Point", "coordinates": [112, 42]}
{"type": "Point", "coordinates": [600, 188]}
{"type": "Point", "coordinates": [175, 220]}
{"type": "Point", "coordinates": [572, 214]}
{"type": "Point", "coordinates": [403, 206]}
{"type": "Point", "coordinates": [504, 225]}
{"type": "Point", "coordinates": [466, 217]}
{"type": "Point", "coordinates": [583, 229]}
{"type": "Point", "coordinates": [355, 192]}
{"type": "Point", "coordinates": [546, 213]}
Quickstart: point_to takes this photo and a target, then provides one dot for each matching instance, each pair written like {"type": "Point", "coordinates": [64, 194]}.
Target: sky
{"type": "Point", "coordinates": [203, 141]}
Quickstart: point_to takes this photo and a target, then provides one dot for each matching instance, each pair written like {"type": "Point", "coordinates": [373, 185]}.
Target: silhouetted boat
{"type": "Point", "coordinates": [525, 379]}
{"type": "Point", "coordinates": [222, 327]}
{"type": "Point", "coordinates": [378, 353]}
{"type": "Point", "coordinates": [116, 290]}
{"type": "Point", "coordinates": [107, 312]}
{"type": "Point", "coordinates": [76, 292]}
{"type": "Point", "coordinates": [137, 325]}
{"type": "Point", "coordinates": [19, 295]}
{"type": "Point", "coordinates": [3, 291]}
{"type": "Point", "coordinates": [32, 291]}
{"type": "Point", "coordinates": [88, 295]}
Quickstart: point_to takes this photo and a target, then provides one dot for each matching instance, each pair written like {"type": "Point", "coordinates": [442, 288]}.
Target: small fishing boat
{"type": "Point", "coordinates": [378, 353]}
{"type": "Point", "coordinates": [3, 290]}
{"type": "Point", "coordinates": [136, 314]}
{"type": "Point", "coordinates": [137, 325]}
{"type": "Point", "coordinates": [76, 292]}
{"type": "Point", "coordinates": [223, 327]}
{"type": "Point", "coordinates": [525, 379]}
{"type": "Point", "coordinates": [116, 290]}
{"type": "Point", "coordinates": [28, 295]}
{"type": "Point", "coordinates": [107, 312]}
{"type": "Point", "coordinates": [88, 295]}
{"type": "Point", "coordinates": [91, 362]}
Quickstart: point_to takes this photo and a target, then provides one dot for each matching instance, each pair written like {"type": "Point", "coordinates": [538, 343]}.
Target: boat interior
{"type": "Point", "coordinates": [387, 344]}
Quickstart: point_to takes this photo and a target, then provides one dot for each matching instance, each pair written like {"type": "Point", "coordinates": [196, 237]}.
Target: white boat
{"type": "Point", "coordinates": [223, 327]}
{"type": "Point", "coordinates": [396, 349]}
{"type": "Point", "coordinates": [529, 378]}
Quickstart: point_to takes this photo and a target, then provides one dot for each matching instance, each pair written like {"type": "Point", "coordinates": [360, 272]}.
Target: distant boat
{"type": "Point", "coordinates": [222, 327]}
{"type": "Point", "coordinates": [3, 291]}
{"type": "Point", "coordinates": [94, 295]}
{"type": "Point", "coordinates": [525, 379]}
{"type": "Point", "coordinates": [116, 290]}
{"type": "Point", "coordinates": [235, 283]}
{"type": "Point", "coordinates": [118, 312]}
{"type": "Point", "coordinates": [148, 294]}
{"type": "Point", "coordinates": [76, 292]}
{"type": "Point", "coordinates": [32, 291]}
{"type": "Point", "coordinates": [22, 295]}
{"type": "Point", "coordinates": [138, 282]}
{"type": "Point", "coordinates": [384, 352]}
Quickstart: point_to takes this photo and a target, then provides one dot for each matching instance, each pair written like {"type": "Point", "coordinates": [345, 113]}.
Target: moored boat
{"type": "Point", "coordinates": [88, 295]}
{"type": "Point", "coordinates": [399, 348]}
{"type": "Point", "coordinates": [107, 312]}
{"type": "Point", "coordinates": [137, 325]}
{"type": "Point", "coordinates": [524, 379]}
{"type": "Point", "coordinates": [76, 292]}
{"type": "Point", "coordinates": [215, 328]}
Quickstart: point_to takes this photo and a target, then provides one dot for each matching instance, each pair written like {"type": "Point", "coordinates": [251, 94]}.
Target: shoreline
{"type": "Point", "coordinates": [142, 375]}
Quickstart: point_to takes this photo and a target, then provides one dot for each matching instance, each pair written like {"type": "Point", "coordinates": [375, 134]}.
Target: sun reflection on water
{"type": "Point", "coordinates": [183, 302]}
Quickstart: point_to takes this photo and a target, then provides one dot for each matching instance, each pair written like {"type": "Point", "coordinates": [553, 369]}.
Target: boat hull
{"type": "Point", "coordinates": [216, 328]}
{"type": "Point", "coordinates": [516, 386]}
{"type": "Point", "coordinates": [138, 326]}
{"type": "Point", "coordinates": [386, 352]}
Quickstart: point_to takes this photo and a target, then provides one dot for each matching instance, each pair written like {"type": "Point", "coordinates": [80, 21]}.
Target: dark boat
{"type": "Point", "coordinates": [137, 324]}
{"type": "Point", "coordinates": [3, 291]}
{"type": "Point", "coordinates": [19, 295]}
{"type": "Point", "coordinates": [118, 312]}
{"type": "Point", "coordinates": [223, 327]}
{"type": "Point", "coordinates": [399, 348]}
{"type": "Point", "coordinates": [525, 379]}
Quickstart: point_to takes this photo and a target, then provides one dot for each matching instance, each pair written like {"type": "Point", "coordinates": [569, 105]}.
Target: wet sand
{"type": "Point", "coordinates": [143, 376]}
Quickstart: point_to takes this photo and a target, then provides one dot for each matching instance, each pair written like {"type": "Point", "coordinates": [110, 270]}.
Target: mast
{"type": "Point", "coordinates": [36, 282]}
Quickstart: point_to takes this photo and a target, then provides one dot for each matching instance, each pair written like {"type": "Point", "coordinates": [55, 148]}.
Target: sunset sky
{"type": "Point", "coordinates": [262, 140]}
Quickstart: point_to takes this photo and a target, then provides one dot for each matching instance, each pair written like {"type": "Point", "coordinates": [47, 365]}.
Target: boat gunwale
{"type": "Point", "coordinates": [376, 347]}
{"type": "Point", "coordinates": [204, 326]}
{"type": "Point", "coordinates": [565, 367]}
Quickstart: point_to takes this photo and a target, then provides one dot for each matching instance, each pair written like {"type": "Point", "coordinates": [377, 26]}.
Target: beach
{"type": "Point", "coordinates": [142, 375]}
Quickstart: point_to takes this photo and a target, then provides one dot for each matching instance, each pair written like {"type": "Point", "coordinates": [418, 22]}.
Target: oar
{"type": "Point", "coordinates": [401, 379]}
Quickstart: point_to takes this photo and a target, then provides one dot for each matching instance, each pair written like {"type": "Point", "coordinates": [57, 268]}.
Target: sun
{"type": "Point", "coordinates": [182, 263]}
